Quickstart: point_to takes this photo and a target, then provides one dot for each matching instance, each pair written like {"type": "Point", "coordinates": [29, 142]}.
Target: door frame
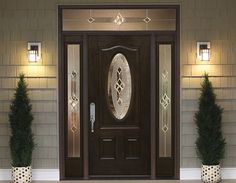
{"type": "Point", "coordinates": [83, 36]}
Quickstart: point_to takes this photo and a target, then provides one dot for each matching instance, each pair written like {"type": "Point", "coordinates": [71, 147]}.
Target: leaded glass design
{"type": "Point", "coordinates": [165, 100]}
{"type": "Point", "coordinates": [147, 19]}
{"type": "Point", "coordinates": [119, 19]}
{"type": "Point", "coordinates": [73, 100]}
{"type": "Point", "coordinates": [90, 19]}
{"type": "Point", "coordinates": [119, 86]}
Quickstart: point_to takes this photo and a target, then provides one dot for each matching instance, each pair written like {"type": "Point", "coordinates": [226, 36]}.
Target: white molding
{"type": "Point", "coordinates": [38, 174]}
{"type": "Point", "coordinates": [5, 174]}
{"type": "Point", "coordinates": [190, 173]}
{"type": "Point", "coordinates": [228, 173]}
{"type": "Point", "coordinates": [53, 174]}
{"type": "Point", "coordinates": [195, 173]}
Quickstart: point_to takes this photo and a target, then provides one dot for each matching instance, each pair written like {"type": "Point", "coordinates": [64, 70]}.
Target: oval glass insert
{"type": "Point", "coordinates": [119, 86]}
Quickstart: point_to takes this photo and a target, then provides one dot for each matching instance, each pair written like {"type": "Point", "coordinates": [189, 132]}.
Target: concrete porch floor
{"type": "Point", "coordinates": [126, 181]}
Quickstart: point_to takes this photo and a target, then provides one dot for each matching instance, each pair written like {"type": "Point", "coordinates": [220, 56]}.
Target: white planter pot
{"type": "Point", "coordinates": [211, 173]}
{"type": "Point", "coordinates": [22, 174]}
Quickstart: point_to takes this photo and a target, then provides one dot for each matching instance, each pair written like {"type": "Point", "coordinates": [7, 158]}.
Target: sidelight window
{"type": "Point", "coordinates": [73, 80]}
{"type": "Point", "coordinates": [165, 100]}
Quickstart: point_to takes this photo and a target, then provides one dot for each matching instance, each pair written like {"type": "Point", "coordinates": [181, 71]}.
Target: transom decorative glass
{"type": "Point", "coordinates": [119, 86]}
{"type": "Point", "coordinates": [118, 19]}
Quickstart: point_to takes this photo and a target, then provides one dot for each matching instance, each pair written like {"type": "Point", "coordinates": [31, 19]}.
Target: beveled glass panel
{"type": "Point", "coordinates": [165, 100]}
{"type": "Point", "coordinates": [119, 86]}
{"type": "Point", "coordinates": [118, 19]}
{"type": "Point", "coordinates": [73, 80]}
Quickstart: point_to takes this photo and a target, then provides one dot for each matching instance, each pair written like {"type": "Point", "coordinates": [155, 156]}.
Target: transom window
{"type": "Point", "coordinates": [119, 19]}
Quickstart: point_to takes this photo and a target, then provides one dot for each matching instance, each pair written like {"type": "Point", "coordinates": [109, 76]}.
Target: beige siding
{"type": "Point", "coordinates": [208, 20]}
{"type": "Point", "coordinates": [23, 21]}
{"type": "Point", "coordinates": [29, 20]}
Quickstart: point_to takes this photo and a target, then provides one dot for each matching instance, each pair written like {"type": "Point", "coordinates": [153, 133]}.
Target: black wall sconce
{"type": "Point", "coordinates": [34, 51]}
{"type": "Point", "coordinates": [203, 51]}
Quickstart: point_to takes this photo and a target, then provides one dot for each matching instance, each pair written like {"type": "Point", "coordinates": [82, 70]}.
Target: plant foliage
{"type": "Point", "coordinates": [20, 117]}
{"type": "Point", "coordinates": [210, 142]}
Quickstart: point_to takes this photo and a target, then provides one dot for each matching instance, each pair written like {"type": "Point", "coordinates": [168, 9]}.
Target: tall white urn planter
{"type": "Point", "coordinates": [22, 174]}
{"type": "Point", "coordinates": [211, 173]}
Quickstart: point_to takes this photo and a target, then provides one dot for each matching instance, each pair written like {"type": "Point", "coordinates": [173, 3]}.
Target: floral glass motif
{"type": "Point", "coordinates": [164, 101]}
{"type": "Point", "coordinates": [74, 100]}
{"type": "Point", "coordinates": [147, 19]}
{"type": "Point", "coordinates": [119, 19]}
{"type": "Point", "coordinates": [119, 86]}
{"type": "Point", "coordinates": [90, 19]}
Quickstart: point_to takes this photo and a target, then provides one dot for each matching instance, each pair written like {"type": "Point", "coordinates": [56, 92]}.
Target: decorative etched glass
{"type": "Point", "coordinates": [165, 100]}
{"type": "Point", "coordinates": [73, 100]}
{"type": "Point", "coordinates": [119, 86]}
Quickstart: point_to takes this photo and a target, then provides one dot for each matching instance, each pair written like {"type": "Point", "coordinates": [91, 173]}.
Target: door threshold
{"type": "Point", "coordinates": [120, 177]}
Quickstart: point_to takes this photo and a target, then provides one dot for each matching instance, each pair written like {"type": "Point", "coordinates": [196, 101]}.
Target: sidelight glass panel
{"type": "Point", "coordinates": [119, 86]}
{"type": "Point", "coordinates": [165, 100]}
{"type": "Point", "coordinates": [73, 51]}
{"type": "Point", "coordinates": [119, 19]}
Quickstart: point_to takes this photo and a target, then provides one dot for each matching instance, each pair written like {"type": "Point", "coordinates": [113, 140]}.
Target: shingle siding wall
{"type": "Point", "coordinates": [210, 20]}
{"type": "Point", "coordinates": [20, 22]}
{"type": "Point", "coordinates": [36, 20]}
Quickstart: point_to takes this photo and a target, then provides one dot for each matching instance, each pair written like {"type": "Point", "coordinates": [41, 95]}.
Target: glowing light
{"type": "Point", "coordinates": [34, 52]}
{"type": "Point", "coordinates": [203, 51]}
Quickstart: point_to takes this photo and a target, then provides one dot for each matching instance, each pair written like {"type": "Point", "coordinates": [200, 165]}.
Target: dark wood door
{"type": "Point", "coordinates": [119, 86]}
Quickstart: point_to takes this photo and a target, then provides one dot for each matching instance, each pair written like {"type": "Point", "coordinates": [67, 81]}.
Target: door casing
{"type": "Point", "coordinates": [82, 37]}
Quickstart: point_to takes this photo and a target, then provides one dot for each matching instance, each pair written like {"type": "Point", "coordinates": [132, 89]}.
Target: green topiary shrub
{"type": "Point", "coordinates": [20, 117]}
{"type": "Point", "coordinates": [210, 142]}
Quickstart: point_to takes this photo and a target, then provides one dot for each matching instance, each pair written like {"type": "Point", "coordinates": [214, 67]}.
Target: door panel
{"type": "Point", "coordinates": [119, 86]}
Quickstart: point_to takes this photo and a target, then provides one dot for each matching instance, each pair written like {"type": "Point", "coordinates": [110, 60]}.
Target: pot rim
{"type": "Point", "coordinates": [21, 166]}
{"type": "Point", "coordinates": [210, 165]}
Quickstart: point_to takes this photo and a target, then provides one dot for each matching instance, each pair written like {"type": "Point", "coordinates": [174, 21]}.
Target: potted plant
{"type": "Point", "coordinates": [21, 139]}
{"type": "Point", "coordinates": [210, 142]}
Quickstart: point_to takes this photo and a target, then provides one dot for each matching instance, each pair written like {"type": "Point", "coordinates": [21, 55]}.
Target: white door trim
{"type": "Point", "coordinates": [195, 173]}
{"type": "Point", "coordinates": [38, 174]}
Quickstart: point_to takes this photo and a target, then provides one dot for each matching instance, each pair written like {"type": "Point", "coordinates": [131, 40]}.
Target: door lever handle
{"type": "Point", "coordinates": [92, 116]}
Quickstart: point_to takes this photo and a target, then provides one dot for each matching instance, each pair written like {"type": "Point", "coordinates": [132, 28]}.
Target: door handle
{"type": "Point", "coordinates": [92, 116]}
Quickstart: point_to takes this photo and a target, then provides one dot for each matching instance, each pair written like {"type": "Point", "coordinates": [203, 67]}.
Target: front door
{"type": "Point", "coordinates": [119, 105]}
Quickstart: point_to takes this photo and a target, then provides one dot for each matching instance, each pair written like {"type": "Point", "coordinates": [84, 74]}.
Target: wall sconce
{"type": "Point", "coordinates": [203, 51]}
{"type": "Point", "coordinates": [34, 51]}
